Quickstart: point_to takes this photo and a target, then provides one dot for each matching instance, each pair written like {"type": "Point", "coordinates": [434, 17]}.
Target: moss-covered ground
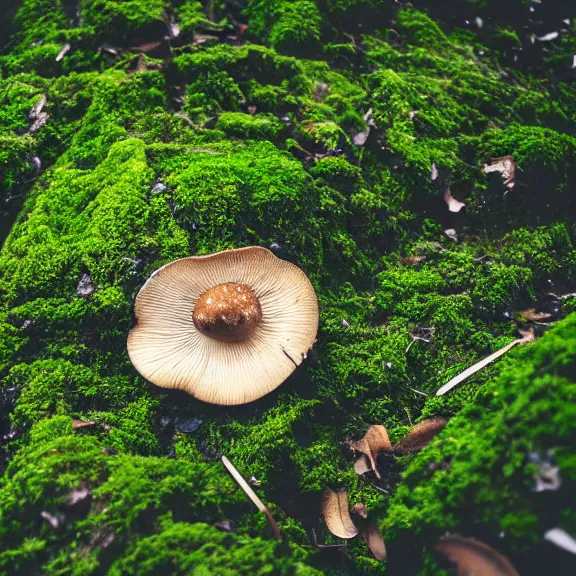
{"type": "Point", "coordinates": [136, 132]}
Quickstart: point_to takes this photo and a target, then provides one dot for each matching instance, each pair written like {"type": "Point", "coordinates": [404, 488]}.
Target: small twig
{"type": "Point", "coordinates": [417, 391]}
{"type": "Point", "coordinates": [252, 495]}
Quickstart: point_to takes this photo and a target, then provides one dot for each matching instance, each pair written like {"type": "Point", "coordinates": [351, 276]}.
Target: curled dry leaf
{"type": "Point", "coordinates": [252, 495]}
{"type": "Point", "coordinates": [506, 166]}
{"type": "Point", "coordinates": [420, 435]}
{"type": "Point", "coordinates": [336, 514]}
{"type": "Point", "coordinates": [375, 440]}
{"type": "Point", "coordinates": [433, 172]}
{"type": "Point", "coordinates": [453, 204]}
{"type": "Point", "coordinates": [451, 233]}
{"type": "Point", "coordinates": [81, 424]}
{"type": "Point", "coordinates": [562, 539]}
{"type": "Point", "coordinates": [412, 259]}
{"type": "Point", "coordinates": [473, 557]}
{"type": "Point", "coordinates": [527, 338]}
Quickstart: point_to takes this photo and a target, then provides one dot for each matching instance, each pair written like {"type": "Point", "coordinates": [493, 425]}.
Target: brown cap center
{"type": "Point", "coordinates": [228, 312]}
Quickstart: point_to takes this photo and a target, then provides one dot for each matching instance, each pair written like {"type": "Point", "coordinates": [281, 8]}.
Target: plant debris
{"type": "Point", "coordinates": [85, 286]}
{"type": "Point", "coordinates": [562, 539]}
{"type": "Point", "coordinates": [547, 477]}
{"type": "Point", "coordinates": [473, 557]}
{"type": "Point", "coordinates": [506, 166]}
{"type": "Point", "coordinates": [453, 204]}
{"type": "Point", "coordinates": [374, 441]}
{"type": "Point", "coordinates": [252, 495]}
{"type": "Point", "coordinates": [527, 338]}
{"type": "Point", "coordinates": [531, 315]}
{"type": "Point", "coordinates": [420, 435]}
{"type": "Point", "coordinates": [360, 138]}
{"type": "Point", "coordinates": [336, 514]}
{"type": "Point", "coordinates": [63, 52]}
{"type": "Point", "coordinates": [433, 172]}
{"type": "Point", "coordinates": [451, 233]}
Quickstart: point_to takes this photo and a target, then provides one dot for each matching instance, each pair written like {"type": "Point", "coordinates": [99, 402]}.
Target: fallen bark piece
{"type": "Point", "coordinates": [252, 495]}
{"type": "Point", "coordinates": [528, 337]}
{"type": "Point", "coordinates": [375, 440]}
{"type": "Point", "coordinates": [474, 558]}
{"type": "Point", "coordinates": [336, 514]}
{"type": "Point", "coordinates": [420, 435]}
{"type": "Point", "coordinates": [506, 166]}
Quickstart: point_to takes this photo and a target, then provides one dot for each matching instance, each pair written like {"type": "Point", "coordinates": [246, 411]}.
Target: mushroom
{"type": "Point", "coordinates": [227, 328]}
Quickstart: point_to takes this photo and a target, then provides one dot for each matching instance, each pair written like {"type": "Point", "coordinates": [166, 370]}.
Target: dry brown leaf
{"type": "Point", "coordinates": [506, 166]}
{"type": "Point", "coordinates": [375, 440]}
{"type": "Point", "coordinates": [336, 514]}
{"type": "Point", "coordinates": [453, 204]}
{"type": "Point", "coordinates": [370, 533]}
{"type": "Point", "coordinates": [562, 539]}
{"type": "Point", "coordinates": [412, 259]}
{"type": "Point", "coordinates": [527, 338]}
{"type": "Point", "coordinates": [252, 495]}
{"type": "Point", "coordinates": [531, 315]}
{"type": "Point", "coordinates": [82, 424]}
{"type": "Point", "coordinates": [473, 557]}
{"type": "Point", "coordinates": [373, 538]}
{"type": "Point", "coordinates": [362, 465]}
{"type": "Point", "coordinates": [420, 435]}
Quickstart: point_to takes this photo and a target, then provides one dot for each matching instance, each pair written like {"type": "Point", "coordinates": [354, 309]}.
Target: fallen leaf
{"type": "Point", "coordinates": [531, 315]}
{"type": "Point", "coordinates": [78, 496]}
{"type": "Point", "coordinates": [362, 465]}
{"type": "Point", "coordinates": [41, 119]}
{"type": "Point", "coordinates": [528, 337]}
{"type": "Point", "coordinates": [506, 166]}
{"type": "Point", "coordinates": [373, 538]}
{"type": "Point", "coordinates": [224, 525]}
{"type": "Point", "coordinates": [336, 514]}
{"type": "Point", "coordinates": [370, 532]}
{"type": "Point", "coordinates": [474, 558]}
{"type": "Point", "coordinates": [85, 286]}
{"type": "Point", "coordinates": [375, 440]}
{"type": "Point", "coordinates": [453, 204]}
{"type": "Point", "coordinates": [548, 37]}
{"type": "Point", "coordinates": [360, 138]}
{"type": "Point", "coordinates": [82, 424]}
{"type": "Point", "coordinates": [63, 52]}
{"type": "Point", "coordinates": [55, 520]}
{"type": "Point", "coordinates": [433, 172]}
{"type": "Point", "coordinates": [201, 38]}
{"type": "Point", "coordinates": [420, 435]}
{"type": "Point", "coordinates": [252, 495]}
{"type": "Point", "coordinates": [562, 539]}
{"type": "Point", "coordinates": [412, 259]}
{"type": "Point", "coordinates": [451, 233]}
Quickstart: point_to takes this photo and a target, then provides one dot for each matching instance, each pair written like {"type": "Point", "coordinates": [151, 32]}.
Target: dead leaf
{"type": "Point", "coordinates": [433, 172]}
{"type": "Point", "coordinates": [453, 204]}
{"type": "Point", "coordinates": [362, 465]}
{"type": "Point", "coordinates": [375, 440]}
{"type": "Point", "coordinates": [78, 496]}
{"type": "Point", "coordinates": [201, 38]}
{"type": "Point", "coordinates": [55, 520]}
{"type": "Point", "coordinates": [373, 538]}
{"type": "Point", "coordinates": [81, 424]}
{"type": "Point", "coordinates": [360, 138]}
{"type": "Point", "coordinates": [370, 532]}
{"type": "Point", "coordinates": [252, 495]}
{"type": "Point", "coordinates": [63, 52]}
{"type": "Point", "coordinates": [451, 233]}
{"type": "Point", "coordinates": [506, 166]}
{"type": "Point", "coordinates": [37, 108]}
{"type": "Point", "coordinates": [474, 558]}
{"type": "Point", "coordinates": [531, 315]}
{"type": "Point", "coordinates": [420, 435]}
{"type": "Point", "coordinates": [562, 539]}
{"type": "Point", "coordinates": [224, 525]}
{"type": "Point", "coordinates": [527, 338]}
{"type": "Point", "coordinates": [412, 259]}
{"type": "Point", "coordinates": [39, 122]}
{"type": "Point", "coordinates": [548, 37]}
{"type": "Point", "coordinates": [336, 514]}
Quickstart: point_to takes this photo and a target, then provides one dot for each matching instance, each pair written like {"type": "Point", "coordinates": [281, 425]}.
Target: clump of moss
{"type": "Point", "coordinates": [477, 477]}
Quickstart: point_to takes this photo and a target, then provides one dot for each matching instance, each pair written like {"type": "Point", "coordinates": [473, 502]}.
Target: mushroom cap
{"type": "Point", "coordinates": [167, 348]}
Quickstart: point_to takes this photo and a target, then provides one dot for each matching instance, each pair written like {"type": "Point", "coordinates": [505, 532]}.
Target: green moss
{"type": "Point", "coordinates": [481, 457]}
{"type": "Point", "coordinates": [260, 127]}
